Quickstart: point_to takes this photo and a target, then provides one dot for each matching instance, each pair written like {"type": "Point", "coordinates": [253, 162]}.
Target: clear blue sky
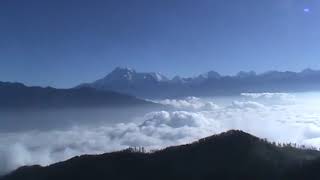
{"type": "Point", "coordinates": [62, 43]}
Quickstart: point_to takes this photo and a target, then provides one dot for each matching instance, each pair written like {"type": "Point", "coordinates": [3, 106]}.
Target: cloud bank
{"type": "Point", "coordinates": [189, 103]}
{"type": "Point", "coordinates": [287, 118]}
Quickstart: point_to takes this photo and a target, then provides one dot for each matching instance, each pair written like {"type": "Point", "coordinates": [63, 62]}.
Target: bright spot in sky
{"type": "Point", "coordinates": [306, 10]}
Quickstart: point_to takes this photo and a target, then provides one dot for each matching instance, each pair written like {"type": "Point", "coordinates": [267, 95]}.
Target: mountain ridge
{"type": "Point", "coordinates": [230, 155]}
{"type": "Point", "coordinates": [17, 95]}
{"type": "Point", "coordinates": [152, 85]}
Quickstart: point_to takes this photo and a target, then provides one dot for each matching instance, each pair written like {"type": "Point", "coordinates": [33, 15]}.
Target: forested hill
{"type": "Point", "coordinates": [230, 155]}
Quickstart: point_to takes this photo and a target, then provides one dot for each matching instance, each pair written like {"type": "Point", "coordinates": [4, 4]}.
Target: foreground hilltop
{"type": "Point", "coordinates": [230, 155]}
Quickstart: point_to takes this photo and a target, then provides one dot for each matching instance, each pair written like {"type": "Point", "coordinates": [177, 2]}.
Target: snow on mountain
{"type": "Point", "coordinates": [153, 85]}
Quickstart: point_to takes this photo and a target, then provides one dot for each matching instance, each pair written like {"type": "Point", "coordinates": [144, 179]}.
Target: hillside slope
{"type": "Point", "coordinates": [230, 155]}
{"type": "Point", "coordinates": [16, 95]}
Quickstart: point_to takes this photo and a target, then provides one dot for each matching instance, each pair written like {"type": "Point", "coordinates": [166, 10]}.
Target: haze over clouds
{"type": "Point", "coordinates": [276, 116]}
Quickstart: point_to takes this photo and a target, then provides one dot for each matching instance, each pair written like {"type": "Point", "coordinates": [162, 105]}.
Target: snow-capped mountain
{"type": "Point", "coordinates": [129, 81]}
{"type": "Point", "coordinates": [156, 85]}
{"type": "Point", "coordinates": [129, 75]}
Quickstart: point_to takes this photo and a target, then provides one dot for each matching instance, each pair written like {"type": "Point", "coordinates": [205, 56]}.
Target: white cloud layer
{"type": "Point", "coordinates": [287, 118]}
{"type": "Point", "coordinates": [189, 103]}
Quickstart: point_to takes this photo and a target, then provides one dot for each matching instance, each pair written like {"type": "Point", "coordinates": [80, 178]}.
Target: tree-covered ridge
{"type": "Point", "coordinates": [230, 155]}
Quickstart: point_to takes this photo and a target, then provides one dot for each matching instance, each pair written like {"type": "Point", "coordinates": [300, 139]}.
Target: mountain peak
{"type": "Point", "coordinates": [124, 69]}
{"type": "Point", "coordinates": [309, 71]}
{"type": "Point", "coordinates": [212, 75]}
{"type": "Point", "coordinates": [209, 75]}
{"type": "Point", "coordinates": [155, 85]}
{"type": "Point", "coordinates": [244, 74]}
{"type": "Point", "coordinates": [128, 74]}
{"type": "Point", "coordinates": [231, 134]}
{"type": "Point", "coordinates": [159, 77]}
{"type": "Point", "coordinates": [121, 73]}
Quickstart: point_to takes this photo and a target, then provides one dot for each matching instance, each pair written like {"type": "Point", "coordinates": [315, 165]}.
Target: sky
{"type": "Point", "coordinates": [62, 43]}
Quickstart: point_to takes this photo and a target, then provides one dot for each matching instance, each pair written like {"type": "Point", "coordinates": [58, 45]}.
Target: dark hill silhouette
{"type": "Point", "coordinates": [230, 155]}
{"type": "Point", "coordinates": [17, 95]}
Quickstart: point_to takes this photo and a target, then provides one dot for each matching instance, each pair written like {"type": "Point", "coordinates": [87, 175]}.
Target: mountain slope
{"type": "Point", "coordinates": [154, 85]}
{"type": "Point", "coordinates": [128, 81]}
{"type": "Point", "coordinates": [230, 155]}
{"type": "Point", "coordinates": [16, 95]}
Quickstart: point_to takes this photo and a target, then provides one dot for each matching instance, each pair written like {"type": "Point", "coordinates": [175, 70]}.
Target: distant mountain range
{"type": "Point", "coordinates": [230, 155]}
{"type": "Point", "coordinates": [111, 90]}
{"type": "Point", "coordinates": [17, 95]}
{"type": "Point", "coordinates": [156, 85]}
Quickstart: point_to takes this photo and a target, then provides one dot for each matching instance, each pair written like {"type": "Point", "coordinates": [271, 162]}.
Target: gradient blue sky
{"type": "Point", "coordinates": [62, 43]}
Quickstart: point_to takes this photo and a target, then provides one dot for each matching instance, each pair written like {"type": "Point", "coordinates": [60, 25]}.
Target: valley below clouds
{"type": "Point", "coordinates": [279, 117]}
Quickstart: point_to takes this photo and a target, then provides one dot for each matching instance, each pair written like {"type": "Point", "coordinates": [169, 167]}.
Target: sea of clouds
{"type": "Point", "coordinates": [278, 117]}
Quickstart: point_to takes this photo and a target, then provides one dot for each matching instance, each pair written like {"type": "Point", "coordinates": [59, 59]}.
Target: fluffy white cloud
{"type": "Point", "coordinates": [269, 95]}
{"type": "Point", "coordinates": [282, 98]}
{"type": "Point", "coordinates": [159, 129]}
{"type": "Point", "coordinates": [189, 103]}
{"type": "Point", "coordinates": [246, 104]}
{"type": "Point", "coordinates": [298, 122]}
